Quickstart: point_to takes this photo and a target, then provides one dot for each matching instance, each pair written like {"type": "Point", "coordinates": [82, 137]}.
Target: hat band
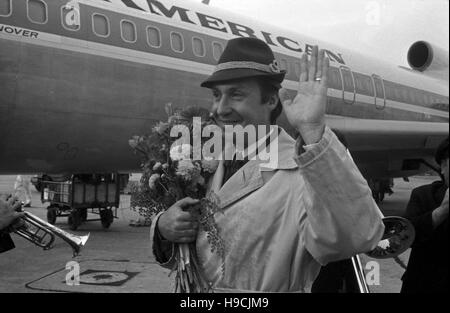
{"type": "Point", "coordinates": [270, 69]}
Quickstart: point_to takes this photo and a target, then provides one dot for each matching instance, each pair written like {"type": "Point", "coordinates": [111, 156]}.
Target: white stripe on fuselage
{"type": "Point", "coordinates": [103, 50]}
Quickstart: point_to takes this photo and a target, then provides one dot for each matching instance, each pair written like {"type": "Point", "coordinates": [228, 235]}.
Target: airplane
{"type": "Point", "coordinates": [79, 78]}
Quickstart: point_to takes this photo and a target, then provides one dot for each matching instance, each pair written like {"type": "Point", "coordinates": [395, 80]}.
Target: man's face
{"type": "Point", "coordinates": [444, 170]}
{"type": "Point", "coordinates": [240, 103]}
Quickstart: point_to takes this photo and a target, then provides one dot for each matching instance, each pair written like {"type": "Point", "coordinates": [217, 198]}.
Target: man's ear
{"type": "Point", "coordinates": [273, 101]}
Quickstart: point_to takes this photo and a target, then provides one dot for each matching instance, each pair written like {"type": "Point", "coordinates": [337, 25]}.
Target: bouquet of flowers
{"type": "Point", "coordinates": [169, 175]}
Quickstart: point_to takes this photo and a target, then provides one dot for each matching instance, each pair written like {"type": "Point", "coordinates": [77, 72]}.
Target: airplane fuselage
{"type": "Point", "coordinates": [79, 78]}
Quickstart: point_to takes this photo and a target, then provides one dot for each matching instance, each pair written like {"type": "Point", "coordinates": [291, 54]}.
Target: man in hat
{"type": "Point", "coordinates": [280, 221]}
{"type": "Point", "coordinates": [427, 209]}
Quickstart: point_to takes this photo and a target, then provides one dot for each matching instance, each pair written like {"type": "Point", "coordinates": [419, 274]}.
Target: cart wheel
{"type": "Point", "coordinates": [83, 215]}
{"type": "Point", "coordinates": [74, 220]}
{"type": "Point", "coordinates": [52, 213]}
{"type": "Point", "coordinates": [106, 217]}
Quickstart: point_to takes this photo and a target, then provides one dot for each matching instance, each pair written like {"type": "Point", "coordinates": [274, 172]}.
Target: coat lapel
{"type": "Point", "coordinates": [252, 175]}
{"type": "Point", "coordinates": [243, 182]}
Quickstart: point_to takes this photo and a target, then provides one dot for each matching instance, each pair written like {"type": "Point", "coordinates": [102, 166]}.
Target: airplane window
{"type": "Point", "coordinates": [153, 37]}
{"type": "Point", "coordinates": [5, 7]}
{"type": "Point", "coordinates": [364, 84]}
{"type": "Point", "coordinates": [128, 31]}
{"type": "Point", "coordinates": [217, 50]}
{"type": "Point", "coordinates": [70, 18]}
{"type": "Point", "coordinates": [37, 11]}
{"type": "Point", "coordinates": [335, 78]}
{"type": "Point", "coordinates": [176, 40]}
{"type": "Point", "coordinates": [198, 46]}
{"type": "Point", "coordinates": [101, 25]}
{"type": "Point", "coordinates": [348, 81]}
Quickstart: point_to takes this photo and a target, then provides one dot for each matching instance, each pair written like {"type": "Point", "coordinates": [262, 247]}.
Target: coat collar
{"type": "Point", "coordinates": [251, 176]}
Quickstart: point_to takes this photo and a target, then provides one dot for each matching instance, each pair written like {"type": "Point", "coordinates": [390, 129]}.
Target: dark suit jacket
{"type": "Point", "coordinates": [428, 263]}
{"type": "Point", "coordinates": [6, 242]}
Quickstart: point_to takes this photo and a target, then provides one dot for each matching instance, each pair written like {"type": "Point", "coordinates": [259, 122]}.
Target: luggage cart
{"type": "Point", "coordinates": [97, 193]}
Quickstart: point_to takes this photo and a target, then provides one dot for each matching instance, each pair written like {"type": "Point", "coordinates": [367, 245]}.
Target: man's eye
{"type": "Point", "coordinates": [237, 95]}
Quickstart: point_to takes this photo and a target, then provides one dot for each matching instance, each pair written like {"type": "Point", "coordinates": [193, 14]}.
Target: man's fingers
{"type": "Point", "coordinates": [320, 62]}
{"type": "Point", "coordinates": [186, 240]}
{"type": "Point", "coordinates": [304, 68]}
{"type": "Point", "coordinates": [12, 200]}
{"type": "Point", "coordinates": [187, 202]}
{"type": "Point", "coordinates": [313, 64]}
{"type": "Point", "coordinates": [186, 225]}
{"type": "Point", "coordinates": [19, 214]}
{"type": "Point", "coordinates": [325, 71]}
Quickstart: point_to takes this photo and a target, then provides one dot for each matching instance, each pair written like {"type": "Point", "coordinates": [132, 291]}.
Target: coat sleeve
{"type": "Point", "coordinates": [422, 219]}
{"type": "Point", "coordinates": [342, 219]}
{"type": "Point", "coordinates": [162, 249]}
{"type": "Point", "coordinates": [6, 242]}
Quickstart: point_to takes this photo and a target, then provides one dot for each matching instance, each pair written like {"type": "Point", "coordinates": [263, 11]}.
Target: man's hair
{"type": "Point", "coordinates": [268, 89]}
{"type": "Point", "coordinates": [442, 152]}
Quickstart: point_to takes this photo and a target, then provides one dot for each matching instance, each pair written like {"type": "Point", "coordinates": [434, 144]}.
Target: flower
{"type": "Point", "coordinates": [157, 167]}
{"type": "Point", "coordinates": [161, 128]}
{"type": "Point", "coordinates": [210, 166]}
{"type": "Point", "coordinates": [153, 180]}
{"type": "Point", "coordinates": [179, 153]}
{"type": "Point", "coordinates": [187, 170]}
{"type": "Point", "coordinates": [135, 141]}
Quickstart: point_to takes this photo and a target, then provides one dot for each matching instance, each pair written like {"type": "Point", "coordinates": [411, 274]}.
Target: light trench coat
{"type": "Point", "coordinates": [281, 224]}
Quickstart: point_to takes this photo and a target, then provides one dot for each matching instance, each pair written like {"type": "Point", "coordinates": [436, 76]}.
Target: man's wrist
{"type": "Point", "coordinates": [439, 215]}
{"type": "Point", "coordinates": [311, 133]}
{"type": "Point", "coordinates": [158, 232]}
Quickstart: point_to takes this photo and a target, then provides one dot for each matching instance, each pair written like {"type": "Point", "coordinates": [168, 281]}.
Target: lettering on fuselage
{"type": "Point", "coordinates": [18, 31]}
{"type": "Point", "coordinates": [210, 22]}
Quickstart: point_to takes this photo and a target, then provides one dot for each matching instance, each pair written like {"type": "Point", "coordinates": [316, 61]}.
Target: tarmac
{"type": "Point", "coordinates": [119, 259]}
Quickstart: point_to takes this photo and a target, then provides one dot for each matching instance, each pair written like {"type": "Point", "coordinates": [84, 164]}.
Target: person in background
{"type": "Point", "coordinates": [427, 270]}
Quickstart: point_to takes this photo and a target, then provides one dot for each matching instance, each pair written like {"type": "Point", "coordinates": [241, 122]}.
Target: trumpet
{"type": "Point", "coordinates": [43, 234]}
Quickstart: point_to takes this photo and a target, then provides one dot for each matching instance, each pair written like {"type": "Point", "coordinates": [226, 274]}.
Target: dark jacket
{"type": "Point", "coordinates": [428, 263]}
{"type": "Point", "coordinates": [6, 242]}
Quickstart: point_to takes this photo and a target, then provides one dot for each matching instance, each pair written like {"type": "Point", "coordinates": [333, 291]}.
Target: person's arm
{"type": "Point", "coordinates": [8, 215]}
{"type": "Point", "coordinates": [6, 242]}
{"type": "Point", "coordinates": [162, 249]}
{"type": "Point", "coordinates": [441, 213]}
{"type": "Point", "coordinates": [342, 218]}
{"type": "Point", "coordinates": [424, 221]}
{"type": "Point", "coordinates": [172, 226]}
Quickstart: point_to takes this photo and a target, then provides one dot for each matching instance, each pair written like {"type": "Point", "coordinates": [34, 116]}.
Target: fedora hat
{"type": "Point", "coordinates": [245, 58]}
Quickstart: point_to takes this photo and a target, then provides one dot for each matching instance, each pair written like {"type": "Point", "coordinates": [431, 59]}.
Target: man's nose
{"type": "Point", "coordinates": [223, 106]}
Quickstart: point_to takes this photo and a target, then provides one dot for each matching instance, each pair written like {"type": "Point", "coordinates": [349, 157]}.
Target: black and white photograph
{"type": "Point", "coordinates": [222, 152]}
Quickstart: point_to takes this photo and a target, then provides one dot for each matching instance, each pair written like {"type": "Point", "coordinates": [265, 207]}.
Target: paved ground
{"type": "Point", "coordinates": [120, 259]}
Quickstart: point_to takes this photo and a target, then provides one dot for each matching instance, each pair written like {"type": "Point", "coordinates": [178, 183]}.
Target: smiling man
{"type": "Point", "coordinates": [281, 222]}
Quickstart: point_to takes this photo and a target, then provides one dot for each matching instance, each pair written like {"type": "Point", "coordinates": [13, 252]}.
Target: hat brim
{"type": "Point", "coordinates": [235, 74]}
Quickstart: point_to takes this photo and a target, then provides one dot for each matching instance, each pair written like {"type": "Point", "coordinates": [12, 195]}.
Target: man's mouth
{"type": "Point", "coordinates": [228, 122]}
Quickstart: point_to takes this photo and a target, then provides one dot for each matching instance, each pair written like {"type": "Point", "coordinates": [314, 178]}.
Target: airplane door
{"type": "Point", "coordinates": [348, 85]}
{"type": "Point", "coordinates": [380, 92]}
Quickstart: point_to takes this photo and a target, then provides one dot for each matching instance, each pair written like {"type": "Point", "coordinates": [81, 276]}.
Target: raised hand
{"type": "Point", "coordinates": [307, 111]}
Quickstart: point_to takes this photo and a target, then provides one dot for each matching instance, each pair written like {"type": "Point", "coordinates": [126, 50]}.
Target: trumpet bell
{"type": "Point", "coordinates": [399, 235]}
{"type": "Point", "coordinates": [43, 234]}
